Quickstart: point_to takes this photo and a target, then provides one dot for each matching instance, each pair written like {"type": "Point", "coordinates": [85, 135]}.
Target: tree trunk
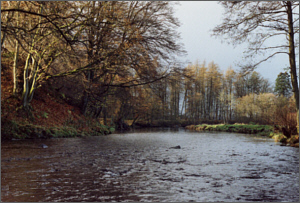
{"type": "Point", "coordinates": [33, 79]}
{"type": "Point", "coordinates": [3, 36]}
{"type": "Point", "coordinates": [134, 120]}
{"type": "Point", "coordinates": [292, 57]}
{"type": "Point", "coordinates": [15, 67]}
{"type": "Point", "coordinates": [16, 57]}
{"type": "Point", "coordinates": [104, 116]}
{"type": "Point", "coordinates": [25, 86]}
{"type": "Point", "coordinates": [85, 99]}
{"type": "Point", "coordinates": [30, 80]}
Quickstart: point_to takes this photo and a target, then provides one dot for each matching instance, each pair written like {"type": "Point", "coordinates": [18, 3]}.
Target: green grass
{"type": "Point", "coordinates": [13, 130]}
{"type": "Point", "coordinates": [263, 130]}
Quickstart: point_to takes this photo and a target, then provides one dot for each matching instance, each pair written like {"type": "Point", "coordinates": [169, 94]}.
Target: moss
{"type": "Point", "coordinates": [14, 130]}
{"type": "Point", "coordinates": [62, 132]}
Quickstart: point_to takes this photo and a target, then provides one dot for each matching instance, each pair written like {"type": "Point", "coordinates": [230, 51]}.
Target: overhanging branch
{"type": "Point", "coordinates": [122, 85]}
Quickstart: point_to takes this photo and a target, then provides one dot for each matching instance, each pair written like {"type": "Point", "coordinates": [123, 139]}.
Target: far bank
{"type": "Point", "coordinates": [262, 130]}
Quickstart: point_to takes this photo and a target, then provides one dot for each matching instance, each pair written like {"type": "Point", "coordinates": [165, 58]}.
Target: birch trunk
{"type": "Point", "coordinates": [25, 85]}
{"type": "Point", "coordinates": [15, 68]}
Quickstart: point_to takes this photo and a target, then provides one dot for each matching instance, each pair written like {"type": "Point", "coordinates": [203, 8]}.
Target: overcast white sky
{"type": "Point", "coordinates": [197, 19]}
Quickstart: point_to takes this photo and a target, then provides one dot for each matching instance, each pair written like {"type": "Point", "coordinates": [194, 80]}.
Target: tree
{"type": "Point", "coordinates": [251, 83]}
{"type": "Point", "coordinates": [282, 84]}
{"type": "Point", "coordinates": [110, 45]}
{"type": "Point", "coordinates": [266, 105]}
{"type": "Point", "coordinates": [227, 94]}
{"type": "Point", "coordinates": [126, 44]}
{"type": "Point", "coordinates": [257, 108]}
{"type": "Point", "coordinates": [213, 87]}
{"type": "Point", "coordinates": [175, 89]}
{"type": "Point", "coordinates": [194, 102]}
{"type": "Point", "coordinates": [258, 22]}
{"type": "Point", "coordinates": [40, 32]}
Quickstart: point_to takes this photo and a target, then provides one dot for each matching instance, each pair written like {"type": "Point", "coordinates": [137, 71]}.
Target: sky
{"type": "Point", "coordinates": [197, 19]}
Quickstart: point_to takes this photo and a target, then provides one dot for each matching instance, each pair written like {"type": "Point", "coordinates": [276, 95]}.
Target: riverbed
{"type": "Point", "coordinates": [150, 166]}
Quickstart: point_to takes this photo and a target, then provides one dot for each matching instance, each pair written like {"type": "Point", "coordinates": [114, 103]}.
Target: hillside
{"type": "Point", "coordinates": [49, 114]}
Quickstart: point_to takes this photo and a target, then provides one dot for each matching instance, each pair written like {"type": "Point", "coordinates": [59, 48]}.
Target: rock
{"type": "Point", "coordinates": [176, 147]}
{"type": "Point", "coordinates": [44, 146]}
{"type": "Point", "coordinates": [164, 161]}
{"type": "Point", "coordinates": [283, 140]}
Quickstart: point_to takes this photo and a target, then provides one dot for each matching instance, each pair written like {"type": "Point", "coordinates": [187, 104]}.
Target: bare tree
{"type": "Point", "coordinates": [40, 30]}
{"type": "Point", "coordinates": [258, 22]}
{"type": "Point", "coordinates": [125, 44]}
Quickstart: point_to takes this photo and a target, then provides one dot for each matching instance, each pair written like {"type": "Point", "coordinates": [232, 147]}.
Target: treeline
{"type": "Point", "coordinates": [117, 60]}
{"type": "Point", "coordinates": [203, 93]}
{"type": "Point", "coordinates": [213, 95]}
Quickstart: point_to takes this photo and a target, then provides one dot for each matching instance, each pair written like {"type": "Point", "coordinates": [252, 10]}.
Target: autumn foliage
{"type": "Point", "coordinates": [87, 64]}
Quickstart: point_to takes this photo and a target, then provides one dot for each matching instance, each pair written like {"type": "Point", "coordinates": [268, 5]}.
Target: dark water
{"type": "Point", "coordinates": [141, 166]}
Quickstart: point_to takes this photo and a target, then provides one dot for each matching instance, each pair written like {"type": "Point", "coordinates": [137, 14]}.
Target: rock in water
{"type": "Point", "coordinates": [176, 147]}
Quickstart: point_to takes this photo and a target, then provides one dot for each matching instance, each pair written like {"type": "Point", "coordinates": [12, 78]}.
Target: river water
{"type": "Point", "coordinates": [143, 166]}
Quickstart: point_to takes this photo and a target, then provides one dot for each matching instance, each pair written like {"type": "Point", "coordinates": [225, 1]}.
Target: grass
{"type": "Point", "coordinates": [11, 129]}
{"type": "Point", "coordinates": [263, 130]}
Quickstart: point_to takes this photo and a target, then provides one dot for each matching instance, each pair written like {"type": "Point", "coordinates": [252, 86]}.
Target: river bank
{"type": "Point", "coordinates": [11, 130]}
{"type": "Point", "coordinates": [261, 130]}
{"type": "Point", "coordinates": [49, 117]}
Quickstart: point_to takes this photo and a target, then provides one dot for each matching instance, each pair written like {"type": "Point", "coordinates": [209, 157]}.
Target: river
{"type": "Point", "coordinates": [143, 166]}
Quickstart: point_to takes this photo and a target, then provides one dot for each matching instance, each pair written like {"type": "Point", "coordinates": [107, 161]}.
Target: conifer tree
{"type": "Point", "coordinates": [283, 85]}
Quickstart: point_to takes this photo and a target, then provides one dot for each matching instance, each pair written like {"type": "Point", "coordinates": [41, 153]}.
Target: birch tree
{"type": "Point", "coordinates": [40, 31]}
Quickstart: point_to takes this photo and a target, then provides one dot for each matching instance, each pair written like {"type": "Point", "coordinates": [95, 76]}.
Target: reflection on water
{"type": "Point", "coordinates": [142, 166]}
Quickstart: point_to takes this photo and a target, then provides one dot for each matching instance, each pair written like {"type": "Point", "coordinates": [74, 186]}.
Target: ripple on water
{"type": "Point", "coordinates": [142, 167]}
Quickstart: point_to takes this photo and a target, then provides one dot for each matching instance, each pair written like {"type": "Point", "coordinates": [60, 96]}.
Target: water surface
{"type": "Point", "coordinates": [142, 166]}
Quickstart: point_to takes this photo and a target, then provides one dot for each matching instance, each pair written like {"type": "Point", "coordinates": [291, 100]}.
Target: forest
{"type": "Point", "coordinates": [87, 65]}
